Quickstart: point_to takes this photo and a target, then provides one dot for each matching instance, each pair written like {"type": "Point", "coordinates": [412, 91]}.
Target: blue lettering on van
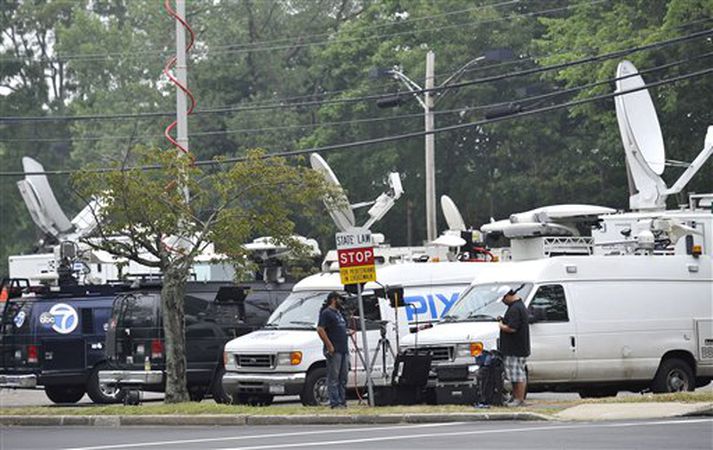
{"type": "Point", "coordinates": [424, 307]}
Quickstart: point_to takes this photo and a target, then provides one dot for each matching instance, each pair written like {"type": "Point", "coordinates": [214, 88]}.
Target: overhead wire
{"type": "Point", "coordinates": [484, 107]}
{"type": "Point", "coordinates": [532, 71]}
{"type": "Point", "coordinates": [98, 56]}
{"type": "Point", "coordinates": [386, 139]}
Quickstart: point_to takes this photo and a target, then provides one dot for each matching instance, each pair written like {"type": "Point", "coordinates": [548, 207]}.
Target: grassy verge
{"type": "Point", "coordinates": [547, 407]}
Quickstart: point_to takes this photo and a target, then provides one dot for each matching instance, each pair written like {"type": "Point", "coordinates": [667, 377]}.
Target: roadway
{"type": "Point", "coordinates": [691, 433]}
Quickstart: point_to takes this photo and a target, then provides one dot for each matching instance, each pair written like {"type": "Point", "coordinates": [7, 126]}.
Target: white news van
{"type": "Point", "coordinates": [637, 313]}
{"type": "Point", "coordinates": [285, 357]}
{"type": "Point", "coordinates": [604, 323]}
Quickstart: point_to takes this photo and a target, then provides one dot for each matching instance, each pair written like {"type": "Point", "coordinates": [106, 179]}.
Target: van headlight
{"type": "Point", "coordinates": [289, 359]}
{"type": "Point", "coordinates": [469, 350]}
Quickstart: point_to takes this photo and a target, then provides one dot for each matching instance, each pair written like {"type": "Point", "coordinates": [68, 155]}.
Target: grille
{"type": "Point", "coordinates": [706, 352]}
{"type": "Point", "coordinates": [437, 353]}
{"type": "Point", "coordinates": [255, 360]}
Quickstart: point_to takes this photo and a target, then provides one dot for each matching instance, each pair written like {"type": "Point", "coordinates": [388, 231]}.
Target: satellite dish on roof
{"type": "Point", "coordinates": [40, 200]}
{"type": "Point", "coordinates": [643, 144]}
{"type": "Point", "coordinates": [641, 120]}
{"type": "Point", "coordinates": [338, 204]}
{"type": "Point", "coordinates": [454, 219]}
{"type": "Point", "coordinates": [338, 207]}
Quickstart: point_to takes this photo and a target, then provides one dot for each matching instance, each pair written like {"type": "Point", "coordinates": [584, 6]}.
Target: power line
{"type": "Point", "coordinates": [385, 139]}
{"type": "Point", "coordinates": [102, 56]}
{"type": "Point", "coordinates": [591, 59]}
{"type": "Point", "coordinates": [521, 100]}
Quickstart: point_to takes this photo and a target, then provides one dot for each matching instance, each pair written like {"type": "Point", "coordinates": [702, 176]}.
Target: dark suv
{"type": "Point", "coordinates": [55, 339]}
{"type": "Point", "coordinates": [215, 314]}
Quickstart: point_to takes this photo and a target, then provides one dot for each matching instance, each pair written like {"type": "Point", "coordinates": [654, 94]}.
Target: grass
{"type": "Point", "coordinates": [191, 408]}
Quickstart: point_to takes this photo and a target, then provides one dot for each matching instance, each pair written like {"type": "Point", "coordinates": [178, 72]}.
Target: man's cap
{"type": "Point", "coordinates": [334, 294]}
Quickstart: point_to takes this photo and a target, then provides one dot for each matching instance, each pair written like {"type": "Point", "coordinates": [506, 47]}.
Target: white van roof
{"type": "Point", "coordinates": [405, 274]}
{"type": "Point", "coordinates": [597, 268]}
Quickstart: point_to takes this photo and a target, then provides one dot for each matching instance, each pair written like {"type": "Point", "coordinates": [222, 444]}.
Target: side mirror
{"type": "Point", "coordinates": [538, 313]}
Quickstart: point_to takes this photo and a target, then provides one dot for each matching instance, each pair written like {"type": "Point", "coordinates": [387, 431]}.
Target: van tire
{"type": "Point", "coordinates": [674, 375]}
{"type": "Point", "coordinates": [598, 392]}
{"type": "Point", "coordinates": [314, 392]}
{"type": "Point", "coordinates": [197, 393]}
{"type": "Point", "coordinates": [64, 394]}
{"type": "Point", "coordinates": [219, 394]}
{"type": "Point", "coordinates": [102, 394]}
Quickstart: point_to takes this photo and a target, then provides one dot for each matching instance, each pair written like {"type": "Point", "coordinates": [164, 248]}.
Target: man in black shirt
{"type": "Point", "coordinates": [515, 344]}
{"type": "Point", "coordinates": [332, 329]}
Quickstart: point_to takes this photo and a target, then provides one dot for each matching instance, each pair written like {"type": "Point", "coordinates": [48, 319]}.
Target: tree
{"type": "Point", "coordinates": [146, 218]}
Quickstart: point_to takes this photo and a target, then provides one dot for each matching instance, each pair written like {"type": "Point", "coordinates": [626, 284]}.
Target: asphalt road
{"type": "Point", "coordinates": [693, 433]}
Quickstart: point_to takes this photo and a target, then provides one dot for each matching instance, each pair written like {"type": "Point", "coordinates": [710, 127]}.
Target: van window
{"type": "Point", "coordinates": [551, 299]}
{"type": "Point", "coordinates": [139, 311]}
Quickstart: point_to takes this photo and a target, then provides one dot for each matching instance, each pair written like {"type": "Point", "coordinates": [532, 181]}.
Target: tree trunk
{"type": "Point", "coordinates": [174, 329]}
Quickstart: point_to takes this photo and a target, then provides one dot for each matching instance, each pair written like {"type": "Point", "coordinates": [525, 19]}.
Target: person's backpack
{"type": "Point", "coordinates": [490, 380]}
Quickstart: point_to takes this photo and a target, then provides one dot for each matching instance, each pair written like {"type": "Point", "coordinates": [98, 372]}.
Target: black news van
{"type": "Point", "coordinates": [215, 312]}
{"type": "Point", "coordinates": [54, 338]}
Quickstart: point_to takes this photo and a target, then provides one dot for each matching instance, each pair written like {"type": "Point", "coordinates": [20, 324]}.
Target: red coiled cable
{"type": "Point", "coordinates": [167, 70]}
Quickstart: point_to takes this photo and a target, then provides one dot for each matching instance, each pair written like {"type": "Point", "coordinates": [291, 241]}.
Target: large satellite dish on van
{"type": "Point", "coordinates": [643, 143]}
{"type": "Point", "coordinates": [45, 210]}
{"type": "Point", "coordinates": [40, 200]}
{"type": "Point", "coordinates": [338, 206]}
{"type": "Point", "coordinates": [640, 119]}
{"type": "Point", "coordinates": [454, 219]}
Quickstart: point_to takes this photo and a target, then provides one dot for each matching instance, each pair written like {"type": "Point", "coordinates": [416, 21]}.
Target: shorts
{"type": "Point", "coordinates": [515, 368]}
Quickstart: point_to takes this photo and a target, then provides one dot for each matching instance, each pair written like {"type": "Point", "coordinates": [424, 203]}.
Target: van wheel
{"type": "Point", "coordinates": [216, 389]}
{"type": "Point", "coordinates": [64, 394]}
{"type": "Point", "coordinates": [315, 391]}
{"type": "Point", "coordinates": [197, 393]}
{"type": "Point", "coordinates": [102, 393]}
{"type": "Point", "coordinates": [598, 392]}
{"type": "Point", "coordinates": [674, 375]}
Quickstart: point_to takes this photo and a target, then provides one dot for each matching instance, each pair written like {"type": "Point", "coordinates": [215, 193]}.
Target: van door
{"type": "Point", "coordinates": [552, 338]}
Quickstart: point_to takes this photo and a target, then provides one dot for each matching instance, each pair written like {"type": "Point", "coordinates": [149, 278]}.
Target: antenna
{"type": "Point", "coordinates": [643, 144]}
{"type": "Point", "coordinates": [40, 200]}
{"type": "Point", "coordinates": [338, 204]}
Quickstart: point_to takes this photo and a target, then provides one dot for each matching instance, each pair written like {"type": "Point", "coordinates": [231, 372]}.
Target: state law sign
{"type": "Point", "coordinates": [355, 253]}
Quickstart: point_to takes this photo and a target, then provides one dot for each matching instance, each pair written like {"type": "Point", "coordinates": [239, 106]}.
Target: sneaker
{"type": "Point", "coordinates": [515, 404]}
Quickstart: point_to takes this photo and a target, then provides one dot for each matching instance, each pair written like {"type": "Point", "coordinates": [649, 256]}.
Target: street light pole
{"type": "Point", "coordinates": [430, 141]}
{"type": "Point", "coordinates": [427, 98]}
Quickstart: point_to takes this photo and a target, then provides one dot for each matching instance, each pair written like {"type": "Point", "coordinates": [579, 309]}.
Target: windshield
{"type": "Point", "coordinates": [298, 310]}
{"type": "Point", "coordinates": [483, 302]}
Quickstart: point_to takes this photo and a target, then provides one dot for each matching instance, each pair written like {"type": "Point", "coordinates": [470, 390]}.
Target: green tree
{"type": "Point", "coordinates": [682, 107]}
{"type": "Point", "coordinates": [146, 218]}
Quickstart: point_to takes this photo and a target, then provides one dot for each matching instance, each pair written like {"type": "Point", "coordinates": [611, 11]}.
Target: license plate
{"type": "Point", "coordinates": [276, 389]}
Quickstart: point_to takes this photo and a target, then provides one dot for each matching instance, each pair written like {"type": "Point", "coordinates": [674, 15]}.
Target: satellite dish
{"type": "Point", "coordinates": [338, 205]}
{"type": "Point", "coordinates": [449, 240]}
{"type": "Point", "coordinates": [454, 219]}
{"type": "Point", "coordinates": [40, 200]}
{"type": "Point", "coordinates": [640, 119]}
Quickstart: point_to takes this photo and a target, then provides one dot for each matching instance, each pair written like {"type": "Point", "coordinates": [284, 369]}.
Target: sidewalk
{"type": "Point", "coordinates": [585, 412]}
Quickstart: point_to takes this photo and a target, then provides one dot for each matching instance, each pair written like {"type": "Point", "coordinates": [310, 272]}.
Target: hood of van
{"type": "Point", "coordinates": [454, 333]}
{"type": "Point", "coordinates": [275, 340]}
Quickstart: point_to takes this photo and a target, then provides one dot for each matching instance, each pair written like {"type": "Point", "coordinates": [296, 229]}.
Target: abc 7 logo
{"type": "Point", "coordinates": [61, 317]}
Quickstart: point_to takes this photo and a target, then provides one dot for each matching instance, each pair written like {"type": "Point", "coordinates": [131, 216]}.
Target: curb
{"type": "Point", "coordinates": [236, 420]}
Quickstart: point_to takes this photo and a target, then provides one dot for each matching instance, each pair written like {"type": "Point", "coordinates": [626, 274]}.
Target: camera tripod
{"type": "Point", "coordinates": [383, 346]}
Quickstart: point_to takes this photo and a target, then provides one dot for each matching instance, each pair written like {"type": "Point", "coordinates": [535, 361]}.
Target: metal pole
{"type": "Point", "coordinates": [430, 150]}
{"type": "Point", "coordinates": [365, 345]}
{"type": "Point", "coordinates": [182, 76]}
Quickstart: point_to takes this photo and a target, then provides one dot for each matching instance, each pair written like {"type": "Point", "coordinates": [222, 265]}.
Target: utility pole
{"type": "Point", "coordinates": [182, 76]}
{"type": "Point", "coordinates": [428, 98]}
